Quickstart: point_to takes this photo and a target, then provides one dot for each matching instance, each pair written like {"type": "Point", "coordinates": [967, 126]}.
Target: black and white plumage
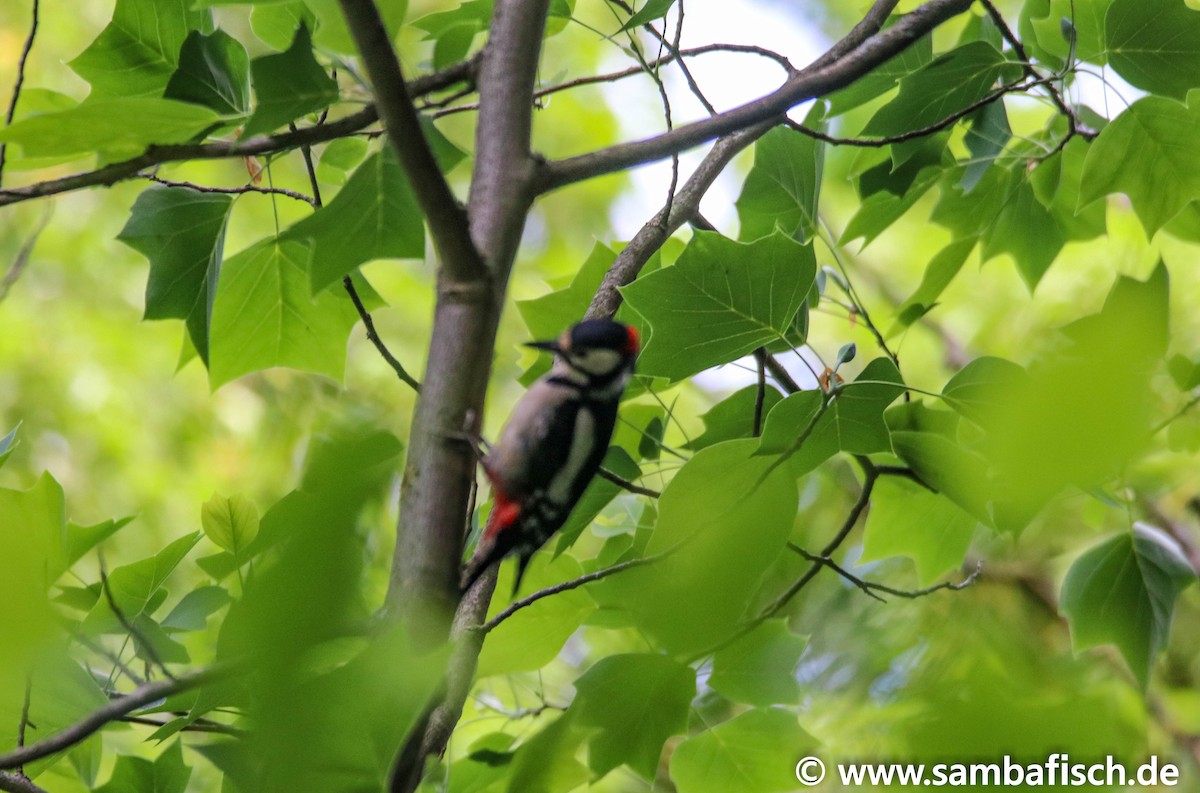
{"type": "Point", "coordinates": [553, 442]}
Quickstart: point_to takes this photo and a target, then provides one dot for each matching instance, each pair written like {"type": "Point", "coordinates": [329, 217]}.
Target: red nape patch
{"type": "Point", "coordinates": [633, 342]}
{"type": "Point", "coordinates": [504, 513]}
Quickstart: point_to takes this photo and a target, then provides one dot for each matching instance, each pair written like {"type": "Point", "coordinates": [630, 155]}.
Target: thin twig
{"type": "Point", "coordinates": [21, 260]}
{"type": "Point", "coordinates": [937, 126]}
{"type": "Point", "coordinates": [760, 396]}
{"type": "Point", "coordinates": [632, 71]}
{"type": "Point", "coordinates": [904, 472]}
{"type": "Point", "coordinates": [348, 284]}
{"type": "Point", "coordinates": [155, 658]}
{"type": "Point", "coordinates": [138, 698]}
{"type": "Point", "coordinates": [24, 717]}
{"type": "Point", "coordinates": [202, 725]}
{"type": "Point", "coordinates": [625, 484]}
{"type": "Point", "coordinates": [816, 80]}
{"type": "Point", "coordinates": [566, 586]}
{"type": "Point", "coordinates": [249, 188]}
{"type": "Point", "coordinates": [873, 589]}
{"type": "Point", "coordinates": [781, 375]}
{"type": "Point", "coordinates": [219, 150]}
{"type": "Point", "coordinates": [20, 81]}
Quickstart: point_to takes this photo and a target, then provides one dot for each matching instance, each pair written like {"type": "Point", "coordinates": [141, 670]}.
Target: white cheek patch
{"type": "Point", "coordinates": [597, 362]}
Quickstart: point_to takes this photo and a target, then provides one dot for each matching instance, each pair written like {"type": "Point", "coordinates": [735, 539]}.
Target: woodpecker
{"type": "Point", "coordinates": [553, 442]}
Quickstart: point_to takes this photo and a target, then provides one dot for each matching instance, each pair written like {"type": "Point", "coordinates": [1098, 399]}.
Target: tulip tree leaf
{"type": "Point", "coordinates": [265, 315]}
{"type": "Point", "coordinates": [636, 702]}
{"type": "Point", "coordinates": [760, 667]}
{"type": "Point", "coordinates": [907, 519]}
{"type": "Point", "coordinates": [1155, 46]}
{"type": "Point", "coordinates": [1148, 153]}
{"type": "Point", "coordinates": [214, 72]}
{"type": "Point", "coordinates": [782, 188]}
{"type": "Point", "coordinates": [742, 754]}
{"type": "Point", "coordinates": [721, 300]}
{"type": "Point", "coordinates": [1123, 592]}
{"type": "Point", "coordinates": [376, 209]}
{"type": "Point", "coordinates": [182, 233]}
{"type": "Point", "coordinates": [287, 85]}
{"type": "Point", "coordinates": [136, 54]}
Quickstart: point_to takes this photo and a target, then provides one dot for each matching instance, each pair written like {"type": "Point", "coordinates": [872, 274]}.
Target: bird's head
{"type": "Point", "coordinates": [598, 348]}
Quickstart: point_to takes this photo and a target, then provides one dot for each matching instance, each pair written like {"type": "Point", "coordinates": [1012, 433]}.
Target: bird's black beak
{"type": "Point", "coordinates": [550, 346]}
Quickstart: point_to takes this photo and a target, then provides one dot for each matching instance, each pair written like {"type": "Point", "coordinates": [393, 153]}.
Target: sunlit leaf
{"type": "Point", "coordinates": [1155, 46]}
{"type": "Point", "coordinates": [635, 702]}
{"type": "Point", "coordinates": [265, 315]}
{"type": "Point", "coordinates": [721, 300]}
{"type": "Point", "coordinates": [760, 667]}
{"type": "Point", "coordinates": [230, 522]}
{"type": "Point", "coordinates": [907, 519]}
{"type": "Point", "coordinates": [782, 188]}
{"type": "Point", "coordinates": [743, 754]}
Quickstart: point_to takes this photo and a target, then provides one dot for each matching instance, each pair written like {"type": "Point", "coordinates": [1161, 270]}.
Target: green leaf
{"type": "Point", "coordinates": [979, 388]}
{"type": "Point", "coordinates": [533, 636]}
{"type": "Point", "coordinates": [877, 213]}
{"type": "Point", "coordinates": [720, 301]}
{"type": "Point", "coordinates": [1155, 46]}
{"type": "Point", "coordinates": [782, 188]}
{"type": "Point", "coordinates": [192, 613]}
{"type": "Point", "coordinates": [1085, 410]}
{"type": "Point", "coordinates": [852, 420]}
{"type": "Point", "coordinates": [102, 126]}
{"type": "Point", "coordinates": [883, 77]}
{"type": "Point", "coordinates": [341, 157]}
{"type": "Point", "coordinates": [33, 557]}
{"type": "Point", "coordinates": [1123, 592]}
{"type": "Point", "coordinates": [1028, 232]}
{"type": "Point", "coordinates": [136, 54]}
{"type": "Point", "coordinates": [723, 498]}
{"type": "Point", "coordinates": [219, 565]}
{"type": "Point", "coordinates": [376, 209]}
{"type": "Point", "coordinates": [265, 315]}
{"type": "Point", "coordinates": [636, 702]}
{"type": "Point", "coordinates": [81, 539]}
{"type": "Point", "coordinates": [165, 774]}
{"type": "Point", "coordinates": [214, 72]}
{"type": "Point", "coordinates": [276, 24]}
{"type": "Point", "coordinates": [733, 417]}
{"type": "Point", "coordinates": [940, 271]}
{"type": "Point", "coordinates": [547, 316]}
{"type": "Point", "coordinates": [947, 85]}
{"type": "Point", "coordinates": [288, 85]}
{"type": "Point", "coordinates": [546, 762]}
{"type": "Point", "coordinates": [231, 523]}
{"type": "Point", "coordinates": [652, 10]}
{"type": "Point", "coordinates": [1056, 182]}
{"type": "Point", "coordinates": [7, 444]}
{"type": "Point", "coordinates": [182, 233]}
{"type": "Point", "coordinates": [1184, 371]}
{"type": "Point", "coordinates": [1147, 153]}
{"type": "Point", "coordinates": [985, 140]}
{"type": "Point", "coordinates": [1041, 30]}
{"type": "Point", "coordinates": [745, 754]}
{"type": "Point", "coordinates": [907, 519]}
{"type": "Point", "coordinates": [134, 587]}
{"type": "Point", "coordinates": [760, 667]}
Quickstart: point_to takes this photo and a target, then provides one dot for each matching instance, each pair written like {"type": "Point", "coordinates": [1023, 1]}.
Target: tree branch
{"type": "Point", "coordinates": [219, 150]}
{"type": "Point", "coordinates": [625, 484]}
{"type": "Point", "coordinates": [827, 74]}
{"type": "Point", "coordinates": [440, 470]}
{"type": "Point", "coordinates": [446, 217]}
{"type": "Point", "coordinates": [138, 698]}
{"type": "Point", "coordinates": [18, 783]}
{"type": "Point", "coordinates": [870, 588]}
{"type": "Point", "coordinates": [566, 586]}
{"type": "Point", "coordinates": [19, 83]}
{"type": "Point", "coordinates": [612, 77]}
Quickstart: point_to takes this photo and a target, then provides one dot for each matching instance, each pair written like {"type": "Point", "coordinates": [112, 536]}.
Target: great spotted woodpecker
{"type": "Point", "coordinates": [553, 442]}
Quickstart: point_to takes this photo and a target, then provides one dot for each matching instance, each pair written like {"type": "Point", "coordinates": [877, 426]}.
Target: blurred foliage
{"type": "Point", "coordinates": [223, 489]}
